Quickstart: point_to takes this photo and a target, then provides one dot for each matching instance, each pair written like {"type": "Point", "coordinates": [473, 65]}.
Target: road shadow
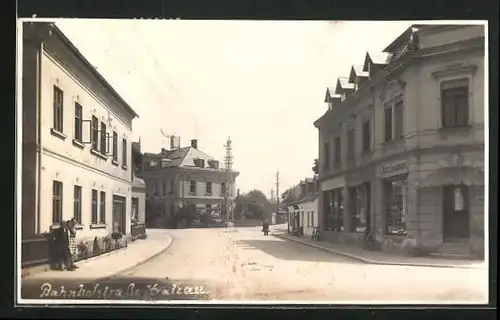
{"type": "Point", "coordinates": [286, 250]}
{"type": "Point", "coordinates": [116, 288]}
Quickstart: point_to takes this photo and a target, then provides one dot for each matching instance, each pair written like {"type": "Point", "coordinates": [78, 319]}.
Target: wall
{"type": "Point", "coordinates": [304, 209]}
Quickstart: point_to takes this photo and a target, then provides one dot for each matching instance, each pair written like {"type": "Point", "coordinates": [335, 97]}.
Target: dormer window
{"type": "Point", "coordinates": [200, 163]}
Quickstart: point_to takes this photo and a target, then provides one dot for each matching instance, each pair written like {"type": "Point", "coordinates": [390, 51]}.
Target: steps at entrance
{"type": "Point", "coordinates": [454, 250]}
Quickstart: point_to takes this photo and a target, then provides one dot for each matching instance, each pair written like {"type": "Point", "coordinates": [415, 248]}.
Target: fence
{"type": "Point", "coordinates": [34, 251]}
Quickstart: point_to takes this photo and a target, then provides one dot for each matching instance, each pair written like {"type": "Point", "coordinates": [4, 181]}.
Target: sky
{"type": "Point", "coordinates": [261, 83]}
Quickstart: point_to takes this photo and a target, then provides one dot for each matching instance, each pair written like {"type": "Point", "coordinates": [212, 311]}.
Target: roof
{"type": "Point", "coordinates": [331, 95]}
{"type": "Point", "coordinates": [380, 58]}
{"type": "Point", "coordinates": [343, 85]}
{"type": "Point", "coordinates": [404, 37]}
{"type": "Point", "coordinates": [357, 71]}
{"type": "Point", "coordinates": [89, 66]}
{"type": "Point", "coordinates": [138, 183]}
{"type": "Point", "coordinates": [307, 198]}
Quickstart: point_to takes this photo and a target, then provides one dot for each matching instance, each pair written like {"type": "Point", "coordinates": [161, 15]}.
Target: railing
{"type": "Point", "coordinates": [34, 251]}
{"type": "Point", "coordinates": [138, 231]}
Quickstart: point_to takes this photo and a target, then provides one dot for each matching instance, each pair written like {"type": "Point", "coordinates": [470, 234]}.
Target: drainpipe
{"type": "Point", "coordinates": [39, 134]}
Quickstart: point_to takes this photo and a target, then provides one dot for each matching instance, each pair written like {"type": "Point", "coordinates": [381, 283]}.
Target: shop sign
{"type": "Point", "coordinates": [393, 168]}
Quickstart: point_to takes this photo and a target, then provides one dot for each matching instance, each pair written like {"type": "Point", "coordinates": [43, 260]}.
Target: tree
{"type": "Point", "coordinates": [289, 196]}
{"type": "Point", "coordinates": [253, 205]}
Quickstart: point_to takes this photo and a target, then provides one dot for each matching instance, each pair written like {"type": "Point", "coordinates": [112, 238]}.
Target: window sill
{"type": "Point", "coordinates": [55, 226]}
{"type": "Point", "coordinates": [114, 162]}
{"type": "Point", "coordinates": [78, 144]}
{"type": "Point", "coordinates": [124, 167]}
{"type": "Point", "coordinates": [98, 226]}
{"type": "Point", "coordinates": [98, 154]}
{"type": "Point", "coordinates": [79, 227]}
{"type": "Point", "coordinates": [208, 194]}
{"type": "Point", "coordinates": [58, 134]}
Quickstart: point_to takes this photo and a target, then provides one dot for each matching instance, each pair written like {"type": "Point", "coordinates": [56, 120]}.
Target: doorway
{"type": "Point", "coordinates": [119, 214]}
{"type": "Point", "coordinates": [368, 206]}
{"type": "Point", "coordinates": [456, 215]}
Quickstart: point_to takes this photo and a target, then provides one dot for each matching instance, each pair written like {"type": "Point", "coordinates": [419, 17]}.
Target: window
{"type": "Point", "coordinates": [326, 151]}
{"type": "Point", "coordinates": [338, 155]}
{"type": "Point", "coordinates": [156, 188]}
{"type": "Point", "coordinates": [135, 208]}
{"type": "Point", "coordinates": [338, 210]}
{"type": "Point", "coordinates": [78, 122]}
{"type": "Point", "coordinates": [57, 201]}
{"type": "Point", "coordinates": [387, 122]}
{"type": "Point", "coordinates": [308, 219]}
{"type": "Point", "coordinates": [366, 136]}
{"type": "Point", "coordinates": [102, 209]}
{"type": "Point", "coordinates": [164, 187]}
{"type": "Point", "coordinates": [94, 207]}
{"type": "Point", "coordinates": [455, 103]}
{"type": "Point", "coordinates": [222, 188]}
{"type": "Point", "coordinates": [115, 146]}
{"type": "Point", "coordinates": [77, 203]}
{"type": "Point", "coordinates": [58, 124]}
{"type": "Point", "coordinates": [192, 187]}
{"type": "Point", "coordinates": [312, 218]}
{"type": "Point", "coordinates": [104, 139]}
{"type": "Point", "coordinates": [124, 152]}
{"type": "Point", "coordinates": [398, 118]}
{"type": "Point", "coordinates": [395, 195]}
{"type": "Point", "coordinates": [95, 133]}
{"type": "Point", "coordinates": [351, 147]}
{"type": "Point", "coordinates": [208, 188]}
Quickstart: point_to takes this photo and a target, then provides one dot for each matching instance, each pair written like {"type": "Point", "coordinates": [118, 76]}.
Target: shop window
{"type": "Point", "coordinates": [396, 198]}
{"type": "Point", "coordinates": [358, 199]}
{"type": "Point", "coordinates": [338, 210]}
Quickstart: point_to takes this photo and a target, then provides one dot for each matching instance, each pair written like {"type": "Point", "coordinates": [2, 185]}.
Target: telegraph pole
{"type": "Point", "coordinates": [272, 195]}
{"type": "Point", "coordinates": [229, 164]}
{"type": "Point", "coordinates": [277, 193]}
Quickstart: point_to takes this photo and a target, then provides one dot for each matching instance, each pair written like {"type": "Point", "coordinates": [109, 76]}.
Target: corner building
{"type": "Point", "coordinates": [76, 139]}
{"type": "Point", "coordinates": [402, 145]}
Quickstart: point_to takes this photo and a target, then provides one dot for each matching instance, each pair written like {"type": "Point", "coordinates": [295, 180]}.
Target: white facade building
{"type": "Point", "coordinates": [76, 140]}
{"type": "Point", "coordinates": [306, 211]}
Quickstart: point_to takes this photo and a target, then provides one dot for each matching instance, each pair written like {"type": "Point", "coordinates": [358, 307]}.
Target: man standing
{"type": "Point", "coordinates": [62, 244]}
{"type": "Point", "coordinates": [73, 249]}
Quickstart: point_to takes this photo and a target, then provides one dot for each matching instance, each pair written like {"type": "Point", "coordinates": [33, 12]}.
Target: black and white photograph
{"type": "Point", "coordinates": [245, 161]}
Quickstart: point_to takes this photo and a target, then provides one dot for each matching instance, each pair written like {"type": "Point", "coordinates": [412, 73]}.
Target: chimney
{"type": "Point", "coordinates": [172, 143]}
{"type": "Point", "coordinates": [194, 143]}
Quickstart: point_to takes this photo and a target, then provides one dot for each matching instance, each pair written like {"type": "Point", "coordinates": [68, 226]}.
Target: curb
{"type": "Point", "coordinates": [369, 261]}
{"type": "Point", "coordinates": [143, 261]}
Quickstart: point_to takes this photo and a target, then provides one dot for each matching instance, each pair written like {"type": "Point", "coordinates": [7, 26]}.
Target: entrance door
{"type": "Point", "coordinates": [119, 214]}
{"type": "Point", "coordinates": [368, 206]}
{"type": "Point", "coordinates": [455, 213]}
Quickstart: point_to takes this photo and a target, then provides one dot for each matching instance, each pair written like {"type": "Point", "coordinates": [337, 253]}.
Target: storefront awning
{"type": "Point", "coordinates": [454, 175]}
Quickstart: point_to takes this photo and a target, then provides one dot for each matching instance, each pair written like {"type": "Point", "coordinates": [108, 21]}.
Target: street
{"type": "Point", "coordinates": [246, 265]}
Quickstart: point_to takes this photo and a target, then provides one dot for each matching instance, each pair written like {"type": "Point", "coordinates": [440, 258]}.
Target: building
{"type": "Point", "coordinates": [76, 142]}
{"type": "Point", "coordinates": [186, 177]}
{"type": "Point", "coordinates": [138, 214]}
{"type": "Point", "coordinates": [402, 145]}
{"type": "Point", "coordinates": [304, 213]}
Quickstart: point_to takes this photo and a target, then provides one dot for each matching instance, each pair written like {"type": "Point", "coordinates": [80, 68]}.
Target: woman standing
{"type": "Point", "coordinates": [73, 250]}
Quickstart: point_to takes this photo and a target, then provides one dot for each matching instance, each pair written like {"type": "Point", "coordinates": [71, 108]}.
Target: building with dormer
{"type": "Point", "coordinates": [401, 145]}
{"type": "Point", "coordinates": [75, 143]}
{"type": "Point", "coordinates": [186, 177]}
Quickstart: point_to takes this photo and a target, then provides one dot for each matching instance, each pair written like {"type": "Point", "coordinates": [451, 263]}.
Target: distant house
{"type": "Point", "coordinates": [304, 212]}
{"type": "Point", "coordinates": [186, 177]}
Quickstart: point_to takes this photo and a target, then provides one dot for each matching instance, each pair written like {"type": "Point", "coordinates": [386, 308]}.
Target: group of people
{"type": "Point", "coordinates": [64, 248]}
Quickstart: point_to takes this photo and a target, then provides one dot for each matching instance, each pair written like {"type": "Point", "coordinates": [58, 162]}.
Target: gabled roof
{"type": "Point", "coordinates": [357, 72]}
{"type": "Point", "coordinates": [344, 85]}
{"type": "Point", "coordinates": [378, 58]}
{"type": "Point", "coordinates": [331, 95]}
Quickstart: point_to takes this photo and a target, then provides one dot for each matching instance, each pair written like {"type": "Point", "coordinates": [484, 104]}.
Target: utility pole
{"type": "Point", "coordinates": [272, 194]}
{"type": "Point", "coordinates": [229, 164]}
{"type": "Point", "coordinates": [277, 193]}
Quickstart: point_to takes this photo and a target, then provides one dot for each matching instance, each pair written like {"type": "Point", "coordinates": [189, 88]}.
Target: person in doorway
{"type": "Point", "coordinates": [73, 250]}
{"type": "Point", "coordinates": [62, 243]}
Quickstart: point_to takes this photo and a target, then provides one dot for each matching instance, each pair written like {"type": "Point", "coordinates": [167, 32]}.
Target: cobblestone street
{"type": "Point", "coordinates": [245, 265]}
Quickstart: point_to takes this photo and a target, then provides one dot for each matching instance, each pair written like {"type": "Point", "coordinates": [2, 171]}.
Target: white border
{"type": "Point", "coordinates": [18, 228]}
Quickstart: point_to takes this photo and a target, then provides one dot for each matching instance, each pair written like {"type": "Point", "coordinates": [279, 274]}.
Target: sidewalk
{"type": "Point", "coordinates": [115, 262]}
{"type": "Point", "coordinates": [376, 257]}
